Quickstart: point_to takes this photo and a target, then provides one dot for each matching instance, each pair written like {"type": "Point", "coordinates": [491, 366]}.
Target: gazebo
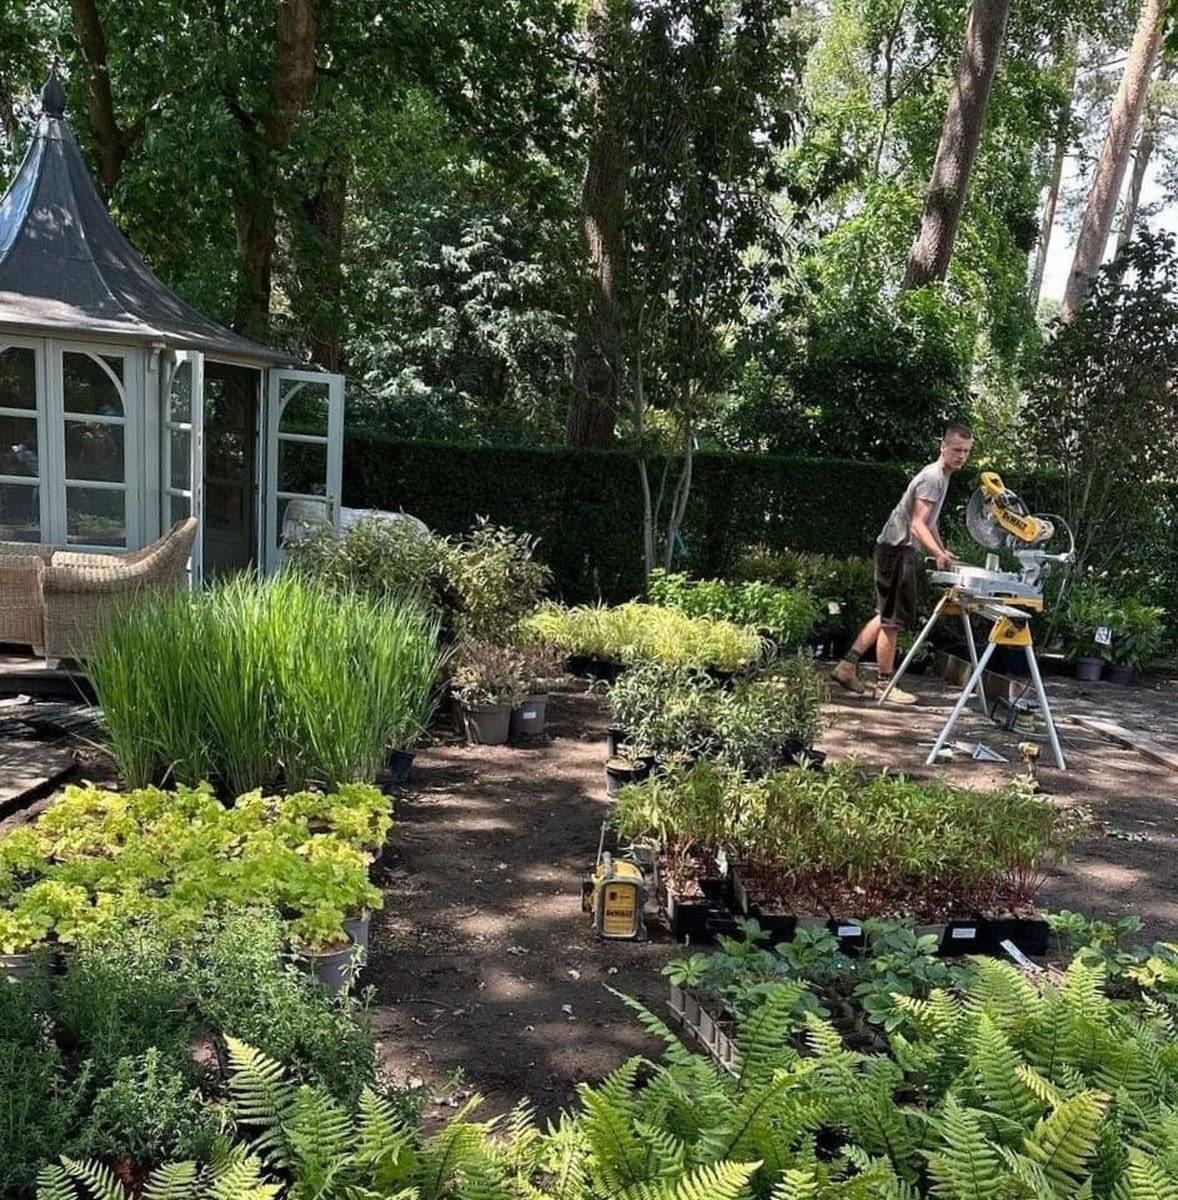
{"type": "Point", "coordinates": [122, 408]}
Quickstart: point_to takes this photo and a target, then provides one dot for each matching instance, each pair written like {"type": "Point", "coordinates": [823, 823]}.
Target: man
{"type": "Point", "coordinates": [913, 524]}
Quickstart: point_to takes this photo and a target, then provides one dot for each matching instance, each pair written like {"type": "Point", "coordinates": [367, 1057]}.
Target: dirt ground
{"type": "Point", "coordinates": [485, 971]}
{"type": "Point", "coordinates": [485, 975]}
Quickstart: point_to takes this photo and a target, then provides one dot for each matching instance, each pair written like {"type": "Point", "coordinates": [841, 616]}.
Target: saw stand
{"type": "Point", "coordinates": [1009, 626]}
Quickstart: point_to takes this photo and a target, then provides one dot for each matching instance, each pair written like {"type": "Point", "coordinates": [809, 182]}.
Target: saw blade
{"type": "Point", "coordinates": [982, 526]}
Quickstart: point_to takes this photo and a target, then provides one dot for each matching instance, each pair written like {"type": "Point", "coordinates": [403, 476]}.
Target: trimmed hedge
{"type": "Point", "coordinates": [585, 506]}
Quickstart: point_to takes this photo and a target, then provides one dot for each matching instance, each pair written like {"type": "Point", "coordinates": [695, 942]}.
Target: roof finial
{"type": "Point", "coordinates": [53, 95]}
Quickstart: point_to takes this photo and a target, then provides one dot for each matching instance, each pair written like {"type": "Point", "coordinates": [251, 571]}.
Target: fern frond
{"type": "Point", "coordinates": [1145, 1179]}
{"type": "Point", "coordinates": [243, 1180]}
{"type": "Point", "coordinates": [98, 1178]}
{"type": "Point", "coordinates": [997, 1073]}
{"type": "Point", "coordinates": [762, 1037]}
{"type": "Point", "coordinates": [563, 1157]}
{"type": "Point", "coordinates": [796, 1184]}
{"type": "Point", "coordinates": [260, 1091]}
{"type": "Point", "coordinates": [54, 1182]}
{"type": "Point", "coordinates": [676, 1052]}
{"type": "Point", "coordinates": [451, 1149]}
{"type": "Point", "coordinates": [1063, 1142]}
{"type": "Point", "coordinates": [715, 1181]}
{"type": "Point", "coordinates": [618, 1157]}
{"type": "Point", "coordinates": [172, 1181]}
{"type": "Point", "coordinates": [965, 1166]}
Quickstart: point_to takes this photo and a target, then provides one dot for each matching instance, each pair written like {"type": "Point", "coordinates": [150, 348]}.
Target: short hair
{"type": "Point", "coordinates": [960, 430]}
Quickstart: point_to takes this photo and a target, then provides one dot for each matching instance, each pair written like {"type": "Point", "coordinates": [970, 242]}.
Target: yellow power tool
{"type": "Point", "coordinates": [615, 893]}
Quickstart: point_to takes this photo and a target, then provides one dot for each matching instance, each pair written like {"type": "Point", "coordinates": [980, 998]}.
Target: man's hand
{"type": "Point", "coordinates": [945, 560]}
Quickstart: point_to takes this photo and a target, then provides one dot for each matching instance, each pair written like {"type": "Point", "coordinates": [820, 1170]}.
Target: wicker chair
{"type": "Point", "coordinates": [75, 592]}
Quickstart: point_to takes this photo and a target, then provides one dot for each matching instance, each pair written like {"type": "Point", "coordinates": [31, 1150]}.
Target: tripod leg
{"type": "Point", "coordinates": [973, 658]}
{"type": "Point", "coordinates": [916, 645]}
{"type": "Point", "coordinates": [1041, 692]}
{"type": "Point", "coordinates": [959, 707]}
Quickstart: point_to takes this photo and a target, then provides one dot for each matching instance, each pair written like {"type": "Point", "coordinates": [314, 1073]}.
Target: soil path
{"type": "Point", "coordinates": [482, 963]}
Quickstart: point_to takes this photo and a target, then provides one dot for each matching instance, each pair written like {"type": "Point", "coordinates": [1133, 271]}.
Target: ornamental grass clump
{"type": "Point", "coordinates": [264, 683]}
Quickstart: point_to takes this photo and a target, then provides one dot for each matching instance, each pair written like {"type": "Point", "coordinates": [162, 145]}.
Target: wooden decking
{"type": "Point", "coordinates": [21, 672]}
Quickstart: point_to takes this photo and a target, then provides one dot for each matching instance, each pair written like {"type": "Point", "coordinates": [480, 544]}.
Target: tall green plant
{"type": "Point", "coordinates": [255, 682]}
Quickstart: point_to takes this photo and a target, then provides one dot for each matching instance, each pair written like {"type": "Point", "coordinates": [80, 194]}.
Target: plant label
{"type": "Point", "coordinates": [834, 607]}
{"type": "Point", "coordinates": [964, 933]}
{"type": "Point", "coordinates": [1104, 635]}
{"type": "Point", "coordinates": [846, 931]}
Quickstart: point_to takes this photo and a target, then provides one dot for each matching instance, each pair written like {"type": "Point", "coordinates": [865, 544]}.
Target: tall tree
{"type": "Point", "coordinates": [1055, 179]}
{"type": "Point", "coordinates": [961, 135]}
{"type": "Point", "coordinates": [1114, 156]}
{"type": "Point", "coordinates": [597, 361]}
{"type": "Point", "coordinates": [1142, 154]}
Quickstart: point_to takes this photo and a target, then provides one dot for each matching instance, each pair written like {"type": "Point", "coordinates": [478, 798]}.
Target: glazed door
{"type": "Point", "coordinates": [304, 456]}
{"type": "Point", "coordinates": [182, 452]}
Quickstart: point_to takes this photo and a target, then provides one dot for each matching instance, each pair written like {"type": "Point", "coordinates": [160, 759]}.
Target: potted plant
{"type": "Point", "coordinates": [1138, 636]}
{"type": "Point", "coordinates": [1089, 611]}
{"type": "Point", "coordinates": [486, 682]}
{"type": "Point", "coordinates": [541, 668]}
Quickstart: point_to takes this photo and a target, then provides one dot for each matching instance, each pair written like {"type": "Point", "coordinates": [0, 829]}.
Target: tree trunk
{"type": "Point", "coordinates": [1114, 157]}
{"type": "Point", "coordinates": [1047, 223]}
{"type": "Point", "coordinates": [597, 353]}
{"type": "Point", "coordinates": [292, 77]}
{"type": "Point", "coordinates": [1141, 157]}
{"type": "Point", "coordinates": [110, 146]}
{"type": "Point", "coordinates": [961, 134]}
{"type": "Point", "coordinates": [320, 289]}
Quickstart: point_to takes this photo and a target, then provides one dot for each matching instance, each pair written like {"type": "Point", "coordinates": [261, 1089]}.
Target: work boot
{"type": "Point", "coordinates": [895, 696]}
{"type": "Point", "coordinates": [847, 674]}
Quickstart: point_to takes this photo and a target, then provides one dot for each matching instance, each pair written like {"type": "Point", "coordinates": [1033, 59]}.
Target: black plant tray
{"type": "Point", "coordinates": [700, 918]}
{"type": "Point", "coordinates": [780, 927]}
{"type": "Point", "coordinates": [1030, 934]}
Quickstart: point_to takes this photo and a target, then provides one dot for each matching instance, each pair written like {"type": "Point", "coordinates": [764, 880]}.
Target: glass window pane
{"type": "Point", "coordinates": [18, 446]}
{"type": "Point", "coordinates": [302, 466]}
{"type": "Point", "coordinates": [94, 450]}
{"type": "Point", "coordinates": [96, 516]}
{"type": "Point", "coordinates": [305, 409]}
{"type": "Point", "coordinates": [181, 507]}
{"type": "Point", "coordinates": [20, 512]}
{"type": "Point", "coordinates": [181, 459]}
{"type": "Point", "coordinates": [89, 388]}
{"type": "Point", "coordinates": [180, 395]}
{"type": "Point", "coordinates": [18, 377]}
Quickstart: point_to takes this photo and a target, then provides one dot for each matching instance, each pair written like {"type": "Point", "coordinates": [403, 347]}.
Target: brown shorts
{"type": "Point", "coordinates": [895, 585]}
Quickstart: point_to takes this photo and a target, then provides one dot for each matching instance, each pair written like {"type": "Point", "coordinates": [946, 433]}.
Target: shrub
{"type": "Point", "coordinates": [786, 615]}
{"type": "Point", "coordinates": [633, 633]}
{"type": "Point", "coordinates": [254, 682]}
{"type": "Point", "coordinates": [480, 584]}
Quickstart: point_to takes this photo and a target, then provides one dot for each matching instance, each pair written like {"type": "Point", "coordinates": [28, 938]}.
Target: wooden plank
{"type": "Point", "coordinates": [1130, 738]}
{"type": "Point", "coordinates": [29, 769]}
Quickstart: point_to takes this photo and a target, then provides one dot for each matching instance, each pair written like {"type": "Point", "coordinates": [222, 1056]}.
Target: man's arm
{"type": "Point", "coordinates": [926, 533]}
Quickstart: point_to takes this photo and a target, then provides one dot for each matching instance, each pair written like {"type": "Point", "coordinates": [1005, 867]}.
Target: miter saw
{"type": "Point", "coordinates": [998, 520]}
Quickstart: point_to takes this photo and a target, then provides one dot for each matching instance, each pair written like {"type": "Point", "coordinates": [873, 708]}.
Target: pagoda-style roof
{"type": "Point", "coordinates": [66, 270]}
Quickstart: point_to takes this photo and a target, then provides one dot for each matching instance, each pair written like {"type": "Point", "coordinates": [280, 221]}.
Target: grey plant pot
{"type": "Point", "coordinates": [1089, 669]}
{"type": "Point", "coordinates": [484, 724]}
{"type": "Point", "coordinates": [332, 969]}
{"type": "Point", "coordinates": [357, 929]}
{"type": "Point", "coordinates": [15, 967]}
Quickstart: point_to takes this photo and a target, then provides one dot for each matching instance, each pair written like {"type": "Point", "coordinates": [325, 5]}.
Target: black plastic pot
{"type": "Point", "coordinates": [529, 716]}
{"type": "Point", "coordinates": [1119, 673]}
{"type": "Point", "coordinates": [617, 774]}
{"type": "Point", "coordinates": [400, 766]}
{"type": "Point", "coordinates": [1089, 669]}
{"type": "Point", "coordinates": [1029, 934]}
{"type": "Point", "coordinates": [615, 739]}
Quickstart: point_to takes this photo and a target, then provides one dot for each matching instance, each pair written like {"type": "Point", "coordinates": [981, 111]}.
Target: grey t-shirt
{"type": "Point", "coordinates": [930, 484]}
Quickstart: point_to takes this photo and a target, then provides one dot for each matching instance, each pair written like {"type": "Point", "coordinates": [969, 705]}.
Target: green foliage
{"type": "Point", "coordinates": [104, 857]}
{"type": "Point", "coordinates": [783, 614]}
{"type": "Point", "coordinates": [1100, 410]}
{"type": "Point", "coordinates": [634, 633]}
{"type": "Point", "coordinates": [149, 1113]}
{"type": "Point", "coordinates": [480, 584]}
{"type": "Point", "coordinates": [249, 682]}
{"type": "Point", "coordinates": [842, 841]}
